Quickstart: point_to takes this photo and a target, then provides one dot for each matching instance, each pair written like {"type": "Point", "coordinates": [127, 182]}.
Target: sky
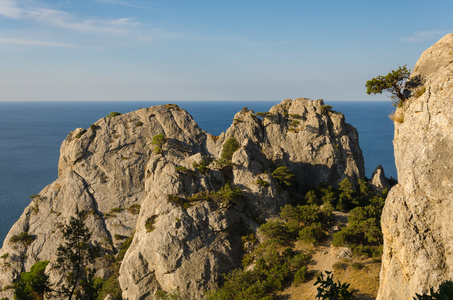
{"type": "Point", "coordinates": [118, 50]}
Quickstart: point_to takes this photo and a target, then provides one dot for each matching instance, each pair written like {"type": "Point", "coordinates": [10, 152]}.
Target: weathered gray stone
{"type": "Point", "coordinates": [378, 180]}
{"type": "Point", "coordinates": [114, 166]}
{"type": "Point", "coordinates": [417, 217]}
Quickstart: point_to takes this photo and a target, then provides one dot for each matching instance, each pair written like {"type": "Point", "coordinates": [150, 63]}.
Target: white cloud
{"type": "Point", "coordinates": [24, 42]}
{"type": "Point", "coordinates": [422, 36]}
{"type": "Point", "coordinates": [134, 4]}
{"type": "Point", "coordinates": [43, 14]}
{"type": "Point", "coordinates": [8, 8]}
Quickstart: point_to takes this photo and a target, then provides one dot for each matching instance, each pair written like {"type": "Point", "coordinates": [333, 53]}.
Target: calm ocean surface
{"type": "Point", "coordinates": [31, 134]}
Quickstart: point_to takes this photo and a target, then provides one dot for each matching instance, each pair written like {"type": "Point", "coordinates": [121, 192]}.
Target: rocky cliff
{"type": "Point", "coordinates": [155, 175]}
{"type": "Point", "coordinates": [417, 217]}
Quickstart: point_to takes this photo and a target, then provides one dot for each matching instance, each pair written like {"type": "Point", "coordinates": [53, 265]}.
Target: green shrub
{"type": "Point", "coordinates": [139, 124]}
{"type": "Point", "coordinates": [229, 194]}
{"type": "Point", "coordinates": [33, 284]}
{"type": "Point", "coordinates": [262, 182]}
{"type": "Point", "coordinates": [262, 115]}
{"type": "Point", "coordinates": [124, 247]}
{"type": "Point", "coordinates": [158, 139]}
{"type": "Point", "coordinates": [283, 176]}
{"type": "Point", "coordinates": [158, 150]}
{"type": "Point", "coordinates": [294, 123]}
{"type": "Point", "coordinates": [134, 209]}
{"type": "Point", "coordinates": [275, 230]}
{"type": "Point", "coordinates": [93, 127]}
{"type": "Point", "coordinates": [325, 109]}
{"type": "Point", "coordinates": [110, 287]}
{"type": "Point", "coordinates": [329, 289]}
{"type": "Point", "coordinates": [301, 275]}
{"type": "Point", "coordinates": [113, 114]}
{"type": "Point", "coordinates": [229, 147]}
{"type": "Point", "coordinates": [149, 224]}
{"type": "Point", "coordinates": [23, 237]}
{"type": "Point", "coordinates": [202, 165]}
{"type": "Point", "coordinates": [445, 292]}
{"type": "Point", "coordinates": [119, 237]}
{"type": "Point", "coordinates": [313, 233]}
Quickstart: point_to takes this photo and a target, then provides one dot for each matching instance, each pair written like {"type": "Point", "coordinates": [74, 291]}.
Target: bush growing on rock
{"type": "Point", "coordinates": [230, 146]}
{"type": "Point", "coordinates": [113, 114]}
{"type": "Point", "coordinates": [34, 284]}
{"type": "Point", "coordinates": [283, 176]}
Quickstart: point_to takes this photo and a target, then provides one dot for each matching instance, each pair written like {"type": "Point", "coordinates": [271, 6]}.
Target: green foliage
{"type": "Point", "coordinates": [325, 109]}
{"type": "Point", "coordinates": [262, 115]}
{"type": "Point", "coordinates": [275, 230]}
{"type": "Point", "coordinates": [229, 147]}
{"type": "Point", "coordinates": [73, 258]}
{"type": "Point", "coordinates": [301, 275]}
{"type": "Point", "coordinates": [363, 233]}
{"type": "Point", "coordinates": [34, 284]}
{"type": "Point", "coordinates": [313, 233]}
{"type": "Point", "coordinates": [294, 123]}
{"type": "Point", "coordinates": [123, 248]}
{"type": "Point", "coordinates": [262, 182]}
{"type": "Point", "coordinates": [312, 198]}
{"type": "Point", "coordinates": [134, 209]}
{"type": "Point", "coordinates": [393, 83]}
{"type": "Point", "coordinates": [202, 165]}
{"type": "Point", "coordinates": [445, 292]}
{"type": "Point", "coordinates": [149, 224]}
{"type": "Point", "coordinates": [109, 287]}
{"type": "Point", "coordinates": [328, 289]}
{"type": "Point", "coordinates": [113, 114]}
{"type": "Point", "coordinates": [93, 127]}
{"type": "Point", "coordinates": [23, 238]}
{"type": "Point", "coordinates": [283, 176]}
{"type": "Point", "coordinates": [162, 295]}
{"type": "Point", "coordinates": [158, 139]}
{"type": "Point", "coordinates": [139, 124]}
{"type": "Point", "coordinates": [229, 194]}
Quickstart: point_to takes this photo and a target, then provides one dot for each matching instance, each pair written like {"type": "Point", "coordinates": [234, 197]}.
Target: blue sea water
{"type": "Point", "coordinates": [31, 134]}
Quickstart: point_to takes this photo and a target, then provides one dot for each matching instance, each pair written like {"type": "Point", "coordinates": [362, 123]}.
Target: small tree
{"type": "Point", "coordinates": [283, 175]}
{"type": "Point", "coordinates": [331, 290]}
{"type": "Point", "coordinates": [393, 82]}
{"type": "Point", "coordinates": [33, 285]}
{"type": "Point", "coordinates": [73, 258]}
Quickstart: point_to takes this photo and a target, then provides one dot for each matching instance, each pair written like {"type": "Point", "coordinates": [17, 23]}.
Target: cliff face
{"type": "Point", "coordinates": [129, 184]}
{"type": "Point", "coordinates": [417, 217]}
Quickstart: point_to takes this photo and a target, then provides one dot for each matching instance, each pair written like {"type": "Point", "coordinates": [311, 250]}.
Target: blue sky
{"type": "Point", "coordinates": [211, 49]}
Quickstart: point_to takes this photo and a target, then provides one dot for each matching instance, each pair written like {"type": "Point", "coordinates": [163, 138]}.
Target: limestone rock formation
{"type": "Point", "coordinates": [417, 217]}
{"type": "Point", "coordinates": [154, 174]}
{"type": "Point", "coordinates": [378, 180]}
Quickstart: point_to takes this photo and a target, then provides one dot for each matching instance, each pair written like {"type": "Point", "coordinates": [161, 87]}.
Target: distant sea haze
{"type": "Point", "coordinates": [31, 134]}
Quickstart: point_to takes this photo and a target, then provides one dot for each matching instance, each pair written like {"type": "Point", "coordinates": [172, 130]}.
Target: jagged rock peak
{"type": "Point", "coordinates": [416, 219]}
{"type": "Point", "coordinates": [155, 175]}
{"type": "Point", "coordinates": [378, 180]}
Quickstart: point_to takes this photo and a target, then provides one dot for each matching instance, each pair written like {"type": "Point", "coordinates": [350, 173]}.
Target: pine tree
{"type": "Point", "coordinates": [73, 258]}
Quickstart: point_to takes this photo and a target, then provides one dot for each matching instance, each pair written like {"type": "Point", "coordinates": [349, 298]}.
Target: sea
{"type": "Point", "coordinates": [31, 134]}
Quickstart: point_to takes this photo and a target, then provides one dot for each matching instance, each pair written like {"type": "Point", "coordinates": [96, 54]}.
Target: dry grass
{"type": "Point", "coordinates": [420, 91]}
{"type": "Point", "coordinates": [397, 117]}
{"type": "Point", "coordinates": [363, 277]}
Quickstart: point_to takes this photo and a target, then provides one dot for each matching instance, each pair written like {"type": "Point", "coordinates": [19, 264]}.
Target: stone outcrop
{"type": "Point", "coordinates": [417, 217]}
{"type": "Point", "coordinates": [378, 180]}
{"type": "Point", "coordinates": [184, 236]}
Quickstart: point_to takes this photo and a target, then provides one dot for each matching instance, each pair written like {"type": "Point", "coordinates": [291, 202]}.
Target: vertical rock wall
{"type": "Point", "coordinates": [417, 220]}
